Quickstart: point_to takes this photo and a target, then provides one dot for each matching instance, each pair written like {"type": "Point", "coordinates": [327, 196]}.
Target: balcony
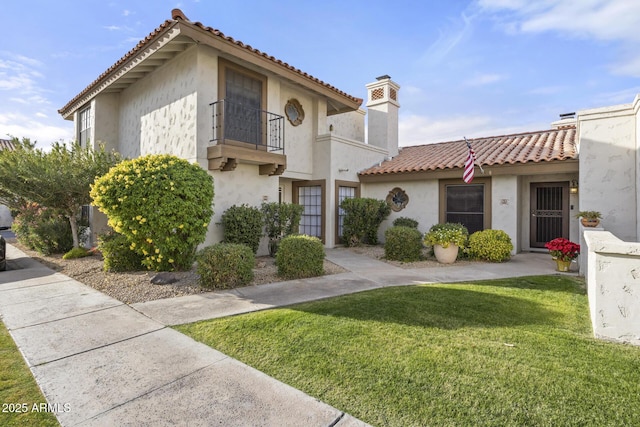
{"type": "Point", "coordinates": [246, 135]}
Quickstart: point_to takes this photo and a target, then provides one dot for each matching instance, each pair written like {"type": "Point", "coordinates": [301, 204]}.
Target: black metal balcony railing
{"type": "Point", "coordinates": [239, 123]}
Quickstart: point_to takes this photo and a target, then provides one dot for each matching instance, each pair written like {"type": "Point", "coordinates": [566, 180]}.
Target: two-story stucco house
{"type": "Point", "coordinates": [265, 130]}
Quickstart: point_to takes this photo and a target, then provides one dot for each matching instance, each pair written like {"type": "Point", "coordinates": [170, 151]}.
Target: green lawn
{"type": "Point", "coordinates": [501, 352]}
{"type": "Point", "coordinates": [18, 390]}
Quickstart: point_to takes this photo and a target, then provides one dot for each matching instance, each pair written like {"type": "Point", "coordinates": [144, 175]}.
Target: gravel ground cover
{"type": "Point", "coordinates": [134, 287]}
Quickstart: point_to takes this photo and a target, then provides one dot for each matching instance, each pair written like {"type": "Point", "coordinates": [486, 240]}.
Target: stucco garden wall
{"type": "Point", "coordinates": [158, 113]}
{"type": "Point", "coordinates": [613, 286]}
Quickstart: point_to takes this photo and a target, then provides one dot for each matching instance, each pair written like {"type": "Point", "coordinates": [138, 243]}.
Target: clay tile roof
{"type": "Point", "coordinates": [178, 16]}
{"type": "Point", "coordinates": [531, 147]}
{"type": "Point", "coordinates": [6, 144]}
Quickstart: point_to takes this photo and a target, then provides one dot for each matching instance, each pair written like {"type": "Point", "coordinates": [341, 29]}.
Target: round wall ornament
{"type": "Point", "coordinates": [294, 112]}
{"type": "Point", "coordinates": [397, 199]}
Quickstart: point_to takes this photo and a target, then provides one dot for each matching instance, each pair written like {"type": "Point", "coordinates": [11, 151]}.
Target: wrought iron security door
{"type": "Point", "coordinates": [549, 212]}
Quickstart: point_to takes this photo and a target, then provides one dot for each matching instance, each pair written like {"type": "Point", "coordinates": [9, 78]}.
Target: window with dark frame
{"type": "Point", "coordinates": [243, 94]}
{"type": "Point", "coordinates": [465, 204]}
{"type": "Point", "coordinates": [84, 126]}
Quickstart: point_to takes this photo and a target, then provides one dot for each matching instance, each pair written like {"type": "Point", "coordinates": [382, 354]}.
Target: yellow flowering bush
{"type": "Point", "coordinates": [490, 245]}
{"type": "Point", "coordinates": [160, 203]}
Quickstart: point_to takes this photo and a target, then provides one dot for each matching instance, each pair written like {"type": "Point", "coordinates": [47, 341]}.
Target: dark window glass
{"type": "Point", "coordinates": [465, 204]}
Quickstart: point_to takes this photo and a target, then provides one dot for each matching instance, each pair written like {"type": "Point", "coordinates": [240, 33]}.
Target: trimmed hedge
{"type": "Point", "coordinates": [403, 221]}
{"type": "Point", "coordinates": [225, 265]}
{"type": "Point", "coordinates": [300, 256]}
{"type": "Point", "coordinates": [490, 245]}
{"type": "Point", "coordinates": [243, 225]}
{"type": "Point", "coordinates": [403, 244]}
{"type": "Point", "coordinates": [118, 254]}
{"type": "Point", "coordinates": [363, 217]}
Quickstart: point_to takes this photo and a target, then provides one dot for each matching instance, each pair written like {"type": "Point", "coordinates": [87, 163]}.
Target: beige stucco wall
{"type": "Point", "coordinates": [105, 131]}
{"type": "Point", "coordinates": [347, 125]}
{"type": "Point", "coordinates": [158, 113]}
{"type": "Point", "coordinates": [241, 186]}
{"type": "Point", "coordinates": [422, 206]}
{"type": "Point", "coordinates": [609, 167]}
{"type": "Point", "coordinates": [505, 207]}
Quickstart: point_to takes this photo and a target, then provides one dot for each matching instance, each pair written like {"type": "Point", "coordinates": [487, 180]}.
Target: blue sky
{"type": "Point", "coordinates": [466, 68]}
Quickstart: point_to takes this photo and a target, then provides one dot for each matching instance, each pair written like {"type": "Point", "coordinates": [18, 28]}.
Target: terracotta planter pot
{"type": "Point", "coordinates": [590, 222]}
{"type": "Point", "coordinates": [562, 265]}
{"type": "Point", "coordinates": [446, 255]}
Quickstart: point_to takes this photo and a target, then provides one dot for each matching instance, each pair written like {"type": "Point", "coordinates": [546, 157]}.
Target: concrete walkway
{"type": "Point", "coordinates": [104, 363]}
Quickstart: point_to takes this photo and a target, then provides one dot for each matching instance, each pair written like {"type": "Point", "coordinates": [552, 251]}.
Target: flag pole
{"type": "Point", "coordinates": [475, 158]}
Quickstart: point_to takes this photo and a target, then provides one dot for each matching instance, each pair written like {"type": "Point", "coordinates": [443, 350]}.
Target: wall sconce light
{"type": "Point", "coordinates": [573, 186]}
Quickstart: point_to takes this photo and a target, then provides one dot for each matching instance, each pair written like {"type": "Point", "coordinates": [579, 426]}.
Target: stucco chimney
{"type": "Point", "coordinates": [382, 105]}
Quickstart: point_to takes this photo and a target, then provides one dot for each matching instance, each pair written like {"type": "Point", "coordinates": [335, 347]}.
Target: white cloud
{"type": "Point", "coordinates": [602, 20]}
{"type": "Point", "coordinates": [599, 19]}
{"type": "Point", "coordinates": [112, 27]}
{"type": "Point", "coordinates": [417, 130]}
{"type": "Point", "coordinates": [45, 132]}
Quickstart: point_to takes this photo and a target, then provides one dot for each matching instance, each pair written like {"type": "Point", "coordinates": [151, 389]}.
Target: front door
{"type": "Point", "coordinates": [549, 212]}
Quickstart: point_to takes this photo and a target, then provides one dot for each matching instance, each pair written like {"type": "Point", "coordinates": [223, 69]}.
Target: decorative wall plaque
{"type": "Point", "coordinates": [397, 199]}
{"type": "Point", "coordinates": [294, 112]}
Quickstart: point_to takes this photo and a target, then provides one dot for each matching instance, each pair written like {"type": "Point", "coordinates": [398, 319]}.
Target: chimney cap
{"type": "Point", "coordinates": [384, 77]}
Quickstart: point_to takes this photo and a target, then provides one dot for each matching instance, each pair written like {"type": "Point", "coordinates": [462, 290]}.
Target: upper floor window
{"type": "Point", "coordinates": [84, 126]}
{"type": "Point", "coordinates": [244, 93]}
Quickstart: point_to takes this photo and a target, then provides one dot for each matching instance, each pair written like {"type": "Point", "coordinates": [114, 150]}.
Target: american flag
{"type": "Point", "coordinates": [469, 164]}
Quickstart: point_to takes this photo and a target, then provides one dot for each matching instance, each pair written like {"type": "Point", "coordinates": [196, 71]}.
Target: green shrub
{"type": "Point", "coordinates": [243, 225]}
{"type": "Point", "coordinates": [446, 234]}
{"type": "Point", "coordinates": [76, 253]}
{"type": "Point", "coordinates": [403, 244]}
{"type": "Point", "coordinates": [280, 220]}
{"type": "Point", "coordinates": [300, 256]}
{"type": "Point", "coordinates": [225, 265]}
{"type": "Point", "coordinates": [42, 229]}
{"type": "Point", "coordinates": [490, 245]}
{"type": "Point", "coordinates": [363, 217]}
{"type": "Point", "coordinates": [403, 221]}
{"type": "Point", "coordinates": [162, 204]}
{"type": "Point", "coordinates": [118, 254]}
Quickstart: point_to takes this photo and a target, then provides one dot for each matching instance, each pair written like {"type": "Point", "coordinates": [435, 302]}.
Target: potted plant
{"type": "Point", "coordinates": [446, 239]}
{"type": "Point", "coordinates": [589, 218]}
{"type": "Point", "coordinates": [563, 251]}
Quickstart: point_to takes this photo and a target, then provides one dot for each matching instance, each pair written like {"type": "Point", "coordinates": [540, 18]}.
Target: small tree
{"type": "Point", "coordinates": [363, 217]}
{"type": "Point", "coordinates": [242, 224]}
{"type": "Point", "coordinates": [59, 179]}
{"type": "Point", "coordinates": [162, 204]}
{"type": "Point", "coordinates": [280, 220]}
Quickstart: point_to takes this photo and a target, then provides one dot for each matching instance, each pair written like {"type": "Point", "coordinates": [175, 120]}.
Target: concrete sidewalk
{"type": "Point", "coordinates": [114, 364]}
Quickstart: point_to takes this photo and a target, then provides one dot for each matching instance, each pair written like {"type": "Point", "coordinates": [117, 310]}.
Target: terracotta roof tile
{"type": "Point", "coordinates": [176, 16]}
{"type": "Point", "coordinates": [6, 144]}
{"type": "Point", "coordinates": [541, 146]}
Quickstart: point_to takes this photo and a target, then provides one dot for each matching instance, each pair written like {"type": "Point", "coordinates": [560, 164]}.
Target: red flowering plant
{"type": "Point", "coordinates": [563, 249]}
